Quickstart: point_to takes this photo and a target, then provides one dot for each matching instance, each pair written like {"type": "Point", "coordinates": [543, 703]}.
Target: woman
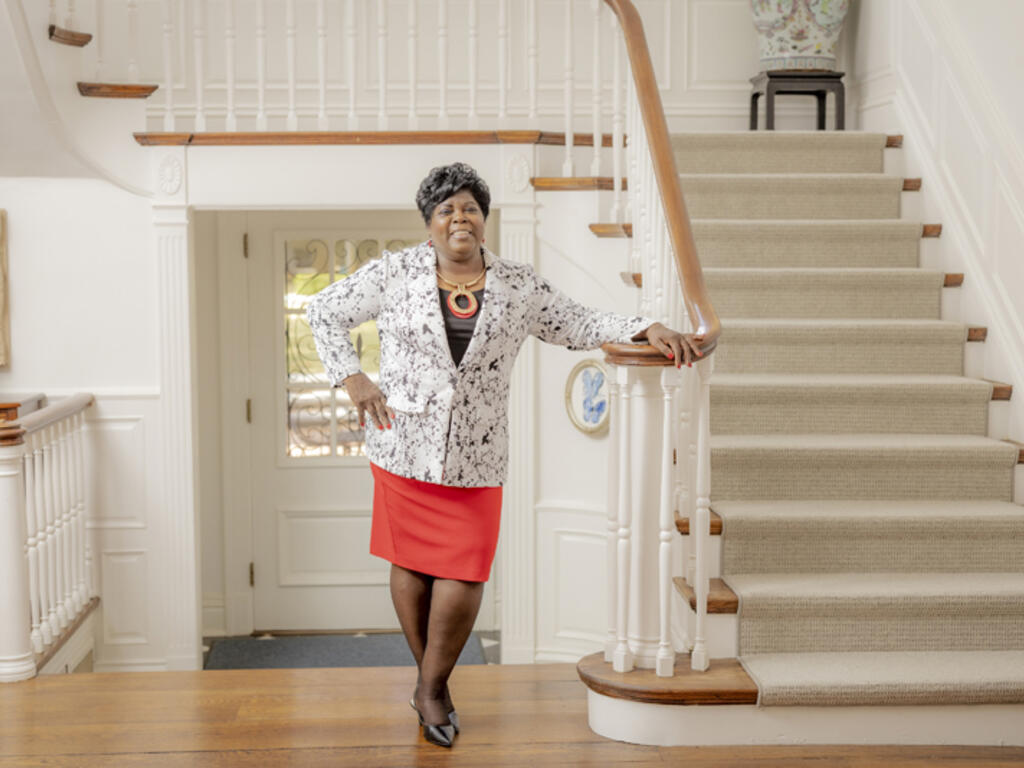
{"type": "Point", "coordinates": [451, 316]}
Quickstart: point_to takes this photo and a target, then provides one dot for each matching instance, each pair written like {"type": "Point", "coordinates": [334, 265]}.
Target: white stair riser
{"type": "Point", "coordinates": [722, 632]}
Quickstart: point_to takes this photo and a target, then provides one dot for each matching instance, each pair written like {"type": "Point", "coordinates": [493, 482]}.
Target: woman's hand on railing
{"type": "Point", "coordinates": [368, 399]}
{"type": "Point", "coordinates": [681, 347]}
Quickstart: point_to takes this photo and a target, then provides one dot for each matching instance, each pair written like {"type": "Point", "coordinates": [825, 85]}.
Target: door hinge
{"type": "Point", "coordinates": [252, 574]}
{"type": "Point", "coordinates": [245, 245]}
{"type": "Point", "coordinates": [248, 410]}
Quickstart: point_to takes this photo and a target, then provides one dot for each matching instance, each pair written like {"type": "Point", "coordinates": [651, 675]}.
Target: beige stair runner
{"type": "Point", "coordinates": [868, 528]}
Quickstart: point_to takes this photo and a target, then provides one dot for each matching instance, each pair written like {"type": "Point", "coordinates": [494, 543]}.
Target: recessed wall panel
{"type": "Point", "coordinates": [125, 594]}
{"type": "Point", "coordinates": [325, 548]}
{"type": "Point", "coordinates": [115, 463]}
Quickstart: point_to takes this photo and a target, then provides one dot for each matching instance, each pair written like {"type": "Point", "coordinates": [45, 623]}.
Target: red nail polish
{"type": "Point", "coordinates": [389, 426]}
{"type": "Point", "coordinates": [380, 427]}
{"type": "Point", "coordinates": [670, 356]}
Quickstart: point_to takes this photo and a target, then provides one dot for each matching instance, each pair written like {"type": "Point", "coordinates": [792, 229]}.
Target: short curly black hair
{"type": "Point", "coordinates": [446, 180]}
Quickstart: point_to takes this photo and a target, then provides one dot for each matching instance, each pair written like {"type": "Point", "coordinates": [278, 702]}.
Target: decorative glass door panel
{"type": "Point", "coordinates": [322, 421]}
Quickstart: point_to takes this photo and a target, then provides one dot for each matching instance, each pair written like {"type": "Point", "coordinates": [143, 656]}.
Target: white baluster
{"type": "Point", "coordinates": [382, 65]}
{"type": "Point", "coordinates": [199, 54]}
{"type": "Point", "coordinates": [261, 65]}
{"type": "Point", "coordinates": [350, 37]}
{"type": "Point", "coordinates": [502, 63]}
{"type": "Point", "coordinates": [665, 660]}
{"type": "Point", "coordinates": [230, 36]}
{"type": "Point", "coordinates": [39, 462]}
{"type": "Point", "coordinates": [531, 57]}
{"type": "Point", "coordinates": [101, 40]}
{"type": "Point", "coordinates": [32, 544]}
{"type": "Point", "coordinates": [442, 63]}
{"type": "Point", "coordinates": [321, 60]}
{"type": "Point", "coordinates": [474, 49]}
{"type": "Point", "coordinates": [617, 213]}
{"type": "Point", "coordinates": [73, 515]}
{"type": "Point", "coordinates": [567, 164]}
{"type": "Point", "coordinates": [622, 660]}
{"type": "Point", "coordinates": [596, 85]}
{"type": "Point", "coordinates": [613, 514]}
{"type": "Point", "coordinates": [51, 19]}
{"type": "Point", "coordinates": [71, 21]}
{"type": "Point", "coordinates": [167, 27]}
{"type": "Point", "coordinates": [86, 553]}
{"type": "Point", "coordinates": [63, 609]}
{"type": "Point", "coordinates": [701, 532]}
{"type": "Point", "coordinates": [292, 120]}
{"type": "Point", "coordinates": [414, 32]}
{"type": "Point", "coordinates": [681, 472]}
{"type": "Point", "coordinates": [67, 587]}
{"type": "Point", "coordinates": [133, 41]}
{"type": "Point", "coordinates": [58, 620]}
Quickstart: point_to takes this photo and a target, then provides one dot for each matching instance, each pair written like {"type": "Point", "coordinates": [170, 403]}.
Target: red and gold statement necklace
{"type": "Point", "coordinates": [462, 289]}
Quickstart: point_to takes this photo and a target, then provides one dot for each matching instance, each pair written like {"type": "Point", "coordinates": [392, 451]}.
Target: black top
{"type": "Point", "coordinates": [459, 330]}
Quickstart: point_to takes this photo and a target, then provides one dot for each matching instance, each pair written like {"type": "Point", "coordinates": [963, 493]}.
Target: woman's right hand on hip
{"type": "Point", "coordinates": [368, 400]}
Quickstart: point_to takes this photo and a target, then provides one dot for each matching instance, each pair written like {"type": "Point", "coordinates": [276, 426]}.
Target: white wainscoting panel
{"type": "Point", "coordinates": [117, 498]}
{"type": "Point", "coordinates": [126, 596]}
{"type": "Point", "coordinates": [571, 601]}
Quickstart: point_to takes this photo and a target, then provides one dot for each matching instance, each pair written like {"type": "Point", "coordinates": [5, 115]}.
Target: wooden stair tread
{"type": "Point", "coordinates": [1000, 390]}
{"type": "Point", "coordinates": [572, 183]}
{"type": "Point", "coordinates": [1020, 449]}
{"type": "Point", "coordinates": [894, 140]}
{"type": "Point", "coordinates": [912, 185]}
{"type": "Point", "coordinates": [68, 36]}
{"type": "Point", "coordinates": [683, 525]}
{"type": "Point", "coordinates": [724, 682]}
{"type": "Point", "coordinates": [116, 90]}
{"type": "Point", "coordinates": [626, 229]}
{"type": "Point", "coordinates": [266, 138]}
{"type": "Point", "coordinates": [721, 599]}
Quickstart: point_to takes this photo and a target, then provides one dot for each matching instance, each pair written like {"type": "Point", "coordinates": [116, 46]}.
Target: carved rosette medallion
{"type": "Point", "coordinates": [517, 174]}
{"type": "Point", "coordinates": [169, 175]}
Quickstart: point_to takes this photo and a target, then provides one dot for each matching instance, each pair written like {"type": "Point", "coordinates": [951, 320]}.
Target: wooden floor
{"type": "Point", "coordinates": [308, 718]}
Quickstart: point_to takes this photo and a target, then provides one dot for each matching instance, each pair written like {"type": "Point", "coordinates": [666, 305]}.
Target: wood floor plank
{"type": "Point", "coordinates": [532, 715]}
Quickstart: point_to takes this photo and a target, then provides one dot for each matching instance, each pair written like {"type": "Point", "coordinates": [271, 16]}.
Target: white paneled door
{"type": "Point", "coordinates": [311, 485]}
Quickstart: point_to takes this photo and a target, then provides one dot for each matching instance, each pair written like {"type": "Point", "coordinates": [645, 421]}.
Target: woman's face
{"type": "Point", "coordinates": [457, 226]}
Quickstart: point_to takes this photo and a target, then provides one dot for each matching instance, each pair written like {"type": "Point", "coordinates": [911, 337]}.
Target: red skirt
{"type": "Point", "coordinates": [440, 530]}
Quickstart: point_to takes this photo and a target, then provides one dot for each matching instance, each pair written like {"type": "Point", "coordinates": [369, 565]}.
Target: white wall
{"type": "Point", "coordinates": [943, 74]}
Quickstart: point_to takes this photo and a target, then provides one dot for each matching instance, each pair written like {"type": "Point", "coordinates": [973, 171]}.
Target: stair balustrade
{"type": "Point", "coordinates": [46, 579]}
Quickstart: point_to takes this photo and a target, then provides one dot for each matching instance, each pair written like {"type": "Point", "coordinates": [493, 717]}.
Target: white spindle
{"type": "Point", "coordinates": [613, 516]}
{"type": "Point", "coordinates": [199, 54]}
{"type": "Point", "coordinates": [531, 55]}
{"type": "Point", "coordinates": [63, 550]}
{"type": "Point", "coordinates": [413, 64]}
{"type": "Point", "coordinates": [382, 65]}
{"type": "Point", "coordinates": [85, 579]}
{"type": "Point", "coordinates": [666, 657]}
{"type": "Point", "coordinates": [321, 60]}
{"type": "Point", "coordinates": [350, 38]}
{"type": "Point", "coordinates": [623, 658]}
{"type": "Point", "coordinates": [78, 517]}
{"type": "Point", "coordinates": [71, 21]}
{"type": "Point", "coordinates": [167, 27]}
{"type": "Point", "coordinates": [442, 63]}
{"type": "Point", "coordinates": [474, 50]}
{"type": "Point", "coordinates": [567, 164]}
{"type": "Point", "coordinates": [230, 35]}
{"type": "Point", "coordinates": [617, 214]}
{"type": "Point", "coordinates": [502, 63]}
{"type": "Point", "coordinates": [67, 587]}
{"type": "Point", "coordinates": [42, 537]}
{"type": "Point", "coordinates": [261, 65]}
{"type": "Point", "coordinates": [292, 120]}
{"type": "Point", "coordinates": [682, 475]}
{"type": "Point", "coordinates": [101, 40]}
{"type": "Point", "coordinates": [32, 545]}
{"type": "Point", "coordinates": [133, 41]}
{"type": "Point", "coordinates": [702, 530]}
{"type": "Point", "coordinates": [52, 17]}
{"type": "Point", "coordinates": [596, 85]}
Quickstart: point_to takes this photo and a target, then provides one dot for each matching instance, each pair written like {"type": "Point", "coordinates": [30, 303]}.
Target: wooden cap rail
{"type": "Point", "coordinates": [325, 138]}
{"type": "Point", "coordinates": [702, 314]}
{"type": "Point", "coordinates": [13, 432]}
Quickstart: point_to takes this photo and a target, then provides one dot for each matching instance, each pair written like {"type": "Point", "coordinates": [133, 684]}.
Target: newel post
{"type": "Point", "coordinates": [17, 661]}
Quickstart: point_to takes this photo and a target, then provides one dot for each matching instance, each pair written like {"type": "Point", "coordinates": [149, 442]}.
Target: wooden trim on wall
{"type": "Point", "coordinates": [116, 90]}
{"type": "Point", "coordinates": [68, 37]}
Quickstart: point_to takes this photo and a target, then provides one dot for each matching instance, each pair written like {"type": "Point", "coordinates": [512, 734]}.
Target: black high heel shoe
{"type": "Point", "coordinates": [442, 735]}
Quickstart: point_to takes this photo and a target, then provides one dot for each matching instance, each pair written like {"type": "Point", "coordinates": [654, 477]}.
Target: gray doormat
{"type": "Point", "coordinates": [287, 651]}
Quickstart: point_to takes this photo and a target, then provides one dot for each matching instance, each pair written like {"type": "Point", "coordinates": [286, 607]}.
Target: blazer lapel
{"type": "Point", "coordinates": [490, 311]}
{"type": "Point", "coordinates": [424, 303]}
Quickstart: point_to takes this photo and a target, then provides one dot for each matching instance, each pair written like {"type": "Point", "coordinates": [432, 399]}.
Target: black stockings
{"type": "Point", "coordinates": [437, 616]}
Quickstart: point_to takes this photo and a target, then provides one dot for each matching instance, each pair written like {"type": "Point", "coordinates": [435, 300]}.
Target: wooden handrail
{"type": "Point", "coordinates": [706, 324]}
{"type": "Point", "coordinates": [44, 417]}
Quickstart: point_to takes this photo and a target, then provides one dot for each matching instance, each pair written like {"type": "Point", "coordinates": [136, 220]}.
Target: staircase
{"type": "Point", "coordinates": [869, 550]}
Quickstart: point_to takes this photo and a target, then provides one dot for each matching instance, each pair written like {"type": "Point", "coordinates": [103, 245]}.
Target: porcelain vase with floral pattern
{"type": "Point", "coordinates": [798, 34]}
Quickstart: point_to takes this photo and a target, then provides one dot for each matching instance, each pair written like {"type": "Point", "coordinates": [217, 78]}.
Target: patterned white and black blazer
{"type": "Point", "coordinates": [451, 423]}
